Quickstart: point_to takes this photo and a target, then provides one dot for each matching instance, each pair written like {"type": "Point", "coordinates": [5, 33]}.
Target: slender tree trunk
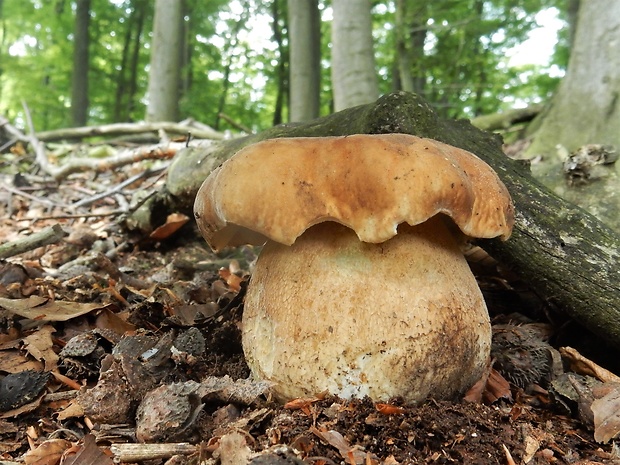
{"type": "Point", "coordinates": [3, 43]}
{"type": "Point", "coordinates": [165, 72]}
{"type": "Point", "coordinates": [283, 85]}
{"type": "Point", "coordinates": [121, 77]}
{"type": "Point", "coordinates": [305, 59]}
{"type": "Point", "coordinates": [480, 74]}
{"type": "Point", "coordinates": [79, 85]}
{"type": "Point", "coordinates": [411, 33]}
{"type": "Point", "coordinates": [354, 77]}
{"type": "Point", "coordinates": [226, 80]}
{"type": "Point", "coordinates": [186, 52]}
{"type": "Point", "coordinates": [132, 88]}
{"type": "Point", "coordinates": [586, 107]}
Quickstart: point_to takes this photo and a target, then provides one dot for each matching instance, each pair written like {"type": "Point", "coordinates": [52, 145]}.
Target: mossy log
{"type": "Point", "coordinates": [566, 255]}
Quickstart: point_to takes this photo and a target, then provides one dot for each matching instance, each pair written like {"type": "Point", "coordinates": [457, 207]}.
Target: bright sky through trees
{"type": "Point", "coordinates": [539, 47]}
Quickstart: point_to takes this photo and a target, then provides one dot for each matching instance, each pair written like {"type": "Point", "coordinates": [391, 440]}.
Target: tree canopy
{"type": "Point", "coordinates": [235, 58]}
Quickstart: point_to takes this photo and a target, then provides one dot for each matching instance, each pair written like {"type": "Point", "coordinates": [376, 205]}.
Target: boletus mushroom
{"type": "Point", "coordinates": [361, 288]}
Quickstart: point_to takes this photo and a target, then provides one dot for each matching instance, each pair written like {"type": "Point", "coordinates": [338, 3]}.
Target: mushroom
{"type": "Point", "coordinates": [361, 288]}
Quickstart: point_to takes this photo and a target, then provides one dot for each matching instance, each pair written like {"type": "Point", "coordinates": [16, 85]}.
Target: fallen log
{"type": "Point", "coordinates": [566, 255]}
{"type": "Point", "coordinates": [506, 119]}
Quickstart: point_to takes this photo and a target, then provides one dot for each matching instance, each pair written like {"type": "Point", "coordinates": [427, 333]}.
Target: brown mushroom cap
{"type": "Point", "coordinates": [278, 188]}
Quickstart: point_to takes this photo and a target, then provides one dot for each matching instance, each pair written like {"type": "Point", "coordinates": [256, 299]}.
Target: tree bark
{"type": "Point", "coordinates": [565, 254]}
{"type": "Point", "coordinates": [354, 77]}
{"type": "Point", "coordinates": [586, 109]}
{"type": "Point", "coordinates": [140, 8]}
{"type": "Point", "coordinates": [411, 33]}
{"type": "Point", "coordinates": [79, 83]}
{"type": "Point", "coordinates": [305, 59]}
{"type": "Point", "coordinates": [165, 73]}
{"type": "Point", "coordinates": [283, 59]}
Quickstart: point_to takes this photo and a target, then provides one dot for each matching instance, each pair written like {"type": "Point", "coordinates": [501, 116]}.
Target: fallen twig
{"type": "Point", "coordinates": [140, 452]}
{"type": "Point", "coordinates": [12, 130]}
{"type": "Point", "coordinates": [117, 188]}
{"type": "Point", "coordinates": [234, 124]}
{"type": "Point", "coordinates": [14, 190]}
{"type": "Point", "coordinates": [122, 158]}
{"type": "Point", "coordinates": [117, 129]}
{"type": "Point", "coordinates": [46, 236]}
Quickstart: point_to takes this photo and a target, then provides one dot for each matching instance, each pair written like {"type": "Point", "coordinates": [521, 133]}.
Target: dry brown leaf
{"type": "Point", "coordinates": [233, 450]}
{"type": "Point", "coordinates": [389, 409]}
{"type": "Point", "coordinates": [47, 453]}
{"type": "Point", "coordinates": [41, 308]}
{"type": "Point", "coordinates": [14, 361]}
{"type": "Point", "coordinates": [110, 320]}
{"type": "Point", "coordinates": [303, 403]}
{"type": "Point", "coordinates": [391, 460]}
{"type": "Point", "coordinates": [337, 440]}
{"type": "Point", "coordinates": [584, 366]}
{"type": "Point", "coordinates": [490, 387]}
{"type": "Point", "coordinates": [606, 412]}
{"type": "Point", "coordinates": [30, 407]}
{"type": "Point", "coordinates": [232, 280]}
{"type": "Point", "coordinates": [73, 410]}
{"type": "Point", "coordinates": [86, 454]}
{"type": "Point", "coordinates": [532, 445]}
{"type": "Point", "coordinates": [39, 344]}
{"type": "Point", "coordinates": [174, 222]}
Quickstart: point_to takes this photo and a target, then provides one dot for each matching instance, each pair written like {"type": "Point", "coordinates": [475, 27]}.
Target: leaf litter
{"type": "Point", "coordinates": [119, 346]}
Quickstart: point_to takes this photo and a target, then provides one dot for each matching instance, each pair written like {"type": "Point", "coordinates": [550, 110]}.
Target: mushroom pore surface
{"type": "Point", "coordinates": [401, 318]}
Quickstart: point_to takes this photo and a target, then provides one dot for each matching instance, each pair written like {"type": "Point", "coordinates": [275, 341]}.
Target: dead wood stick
{"type": "Point", "coordinates": [12, 130]}
{"type": "Point", "coordinates": [37, 146]}
{"type": "Point", "coordinates": [234, 124]}
{"type": "Point", "coordinates": [16, 191]}
{"type": "Point", "coordinates": [118, 129]}
{"type": "Point", "coordinates": [46, 236]}
{"type": "Point", "coordinates": [140, 452]}
{"type": "Point", "coordinates": [122, 158]}
{"type": "Point", "coordinates": [117, 188]}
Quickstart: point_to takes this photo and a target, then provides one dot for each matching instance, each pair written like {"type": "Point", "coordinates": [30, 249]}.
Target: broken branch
{"type": "Point", "coordinates": [46, 236]}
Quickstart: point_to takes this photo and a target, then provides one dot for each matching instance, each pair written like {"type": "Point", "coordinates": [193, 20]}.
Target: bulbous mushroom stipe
{"type": "Point", "coordinates": [361, 288]}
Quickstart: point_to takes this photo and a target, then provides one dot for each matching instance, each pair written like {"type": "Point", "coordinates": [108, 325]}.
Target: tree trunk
{"type": "Point", "coordinates": [566, 255]}
{"type": "Point", "coordinates": [411, 33]}
{"type": "Point", "coordinates": [354, 77]}
{"type": "Point", "coordinates": [305, 59]}
{"type": "Point", "coordinates": [121, 77]}
{"type": "Point", "coordinates": [229, 54]}
{"type": "Point", "coordinates": [585, 109]}
{"type": "Point", "coordinates": [281, 75]}
{"type": "Point", "coordinates": [165, 73]}
{"type": "Point", "coordinates": [79, 83]}
{"type": "Point", "coordinates": [141, 11]}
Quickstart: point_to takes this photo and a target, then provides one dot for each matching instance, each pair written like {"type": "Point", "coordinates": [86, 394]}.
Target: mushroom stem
{"type": "Point", "coordinates": [400, 318]}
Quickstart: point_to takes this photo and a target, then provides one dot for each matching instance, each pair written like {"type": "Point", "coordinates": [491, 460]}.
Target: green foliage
{"type": "Point", "coordinates": [36, 64]}
{"type": "Point", "coordinates": [231, 68]}
{"type": "Point", "coordinates": [463, 67]}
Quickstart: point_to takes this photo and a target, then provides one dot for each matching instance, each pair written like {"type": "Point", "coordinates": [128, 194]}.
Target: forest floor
{"type": "Point", "coordinates": [117, 345]}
